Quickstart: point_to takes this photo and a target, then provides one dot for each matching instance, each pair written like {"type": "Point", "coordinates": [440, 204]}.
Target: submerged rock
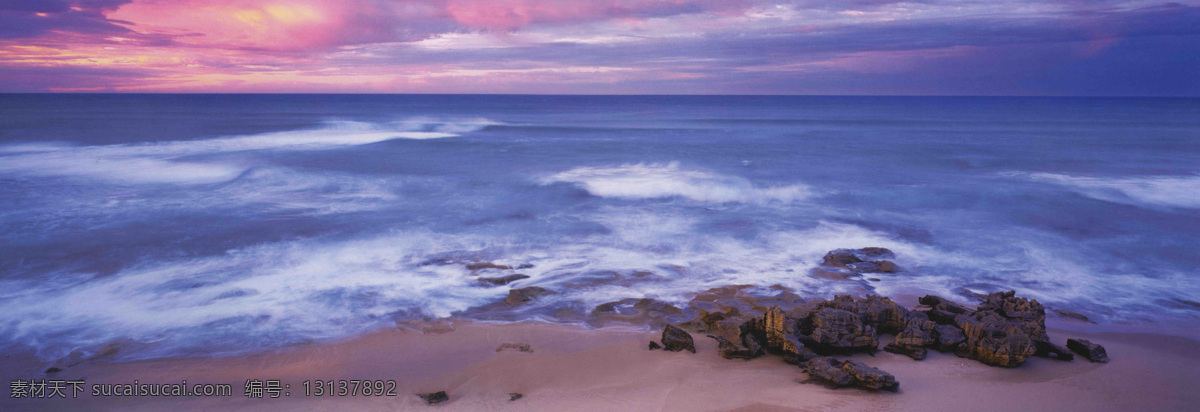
{"type": "Point", "coordinates": [838, 374]}
{"type": "Point", "coordinates": [486, 265]}
{"type": "Point", "coordinates": [503, 280]}
{"type": "Point", "coordinates": [865, 260]}
{"type": "Point", "coordinates": [1089, 350]}
{"type": "Point", "coordinates": [526, 294]}
{"type": "Point", "coordinates": [675, 339]}
{"type": "Point", "coordinates": [434, 397]}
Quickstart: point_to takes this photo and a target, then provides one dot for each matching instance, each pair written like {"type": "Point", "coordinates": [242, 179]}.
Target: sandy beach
{"type": "Point", "coordinates": [576, 368]}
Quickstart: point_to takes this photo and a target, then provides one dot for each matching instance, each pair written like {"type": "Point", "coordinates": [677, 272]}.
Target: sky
{"type": "Point", "coordinates": [844, 47]}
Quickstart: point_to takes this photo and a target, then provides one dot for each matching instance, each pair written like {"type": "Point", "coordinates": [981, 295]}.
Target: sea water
{"type": "Point", "coordinates": [216, 224]}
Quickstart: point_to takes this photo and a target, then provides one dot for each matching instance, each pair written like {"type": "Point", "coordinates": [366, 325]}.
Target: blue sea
{"type": "Point", "coordinates": [220, 224]}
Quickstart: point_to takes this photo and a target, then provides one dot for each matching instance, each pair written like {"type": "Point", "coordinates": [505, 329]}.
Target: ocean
{"type": "Point", "coordinates": [222, 224]}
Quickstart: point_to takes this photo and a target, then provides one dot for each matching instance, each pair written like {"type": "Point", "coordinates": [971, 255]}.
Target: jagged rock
{"type": "Point", "coordinates": [434, 397]}
{"type": "Point", "coordinates": [777, 334]}
{"type": "Point", "coordinates": [729, 350]}
{"type": "Point", "coordinates": [1052, 351]}
{"type": "Point", "coordinates": [919, 333]}
{"type": "Point", "coordinates": [1003, 331]}
{"type": "Point", "coordinates": [752, 344]}
{"type": "Point", "coordinates": [654, 345]}
{"type": "Point", "coordinates": [1089, 350]}
{"type": "Point", "coordinates": [1028, 311]}
{"type": "Point", "coordinates": [526, 294]}
{"type": "Point", "coordinates": [948, 337]}
{"type": "Point", "coordinates": [675, 339]}
{"type": "Point", "coordinates": [879, 312]}
{"type": "Point", "coordinates": [839, 374]}
{"type": "Point", "coordinates": [830, 330]}
{"type": "Point", "coordinates": [939, 302]}
{"type": "Point", "coordinates": [941, 310]}
{"type": "Point", "coordinates": [503, 280]}
{"type": "Point", "coordinates": [724, 324]}
{"type": "Point", "coordinates": [865, 260]}
{"type": "Point", "coordinates": [917, 353]}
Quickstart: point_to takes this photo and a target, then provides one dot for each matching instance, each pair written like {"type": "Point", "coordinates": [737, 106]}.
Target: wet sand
{"type": "Point", "coordinates": [575, 368]}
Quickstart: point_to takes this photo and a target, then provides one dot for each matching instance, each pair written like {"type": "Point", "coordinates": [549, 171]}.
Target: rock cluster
{"type": "Point", "coordinates": [865, 260]}
{"type": "Point", "coordinates": [1004, 330]}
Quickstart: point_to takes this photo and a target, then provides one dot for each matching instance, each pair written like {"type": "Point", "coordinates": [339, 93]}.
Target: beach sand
{"type": "Point", "coordinates": [579, 369]}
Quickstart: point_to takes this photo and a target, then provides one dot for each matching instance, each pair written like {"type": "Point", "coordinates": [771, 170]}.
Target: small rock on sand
{"type": "Point", "coordinates": [434, 397]}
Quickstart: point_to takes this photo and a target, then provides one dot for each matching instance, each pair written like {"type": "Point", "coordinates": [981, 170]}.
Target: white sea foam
{"type": "Point", "coordinates": [649, 181]}
{"type": "Point", "coordinates": [197, 161]}
{"type": "Point", "coordinates": [1155, 191]}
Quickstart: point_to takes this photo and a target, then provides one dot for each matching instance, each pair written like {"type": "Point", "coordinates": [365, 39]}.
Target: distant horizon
{"type": "Point", "coordinates": [592, 95]}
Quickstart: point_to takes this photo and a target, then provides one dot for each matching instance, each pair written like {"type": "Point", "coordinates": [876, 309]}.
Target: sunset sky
{"type": "Point", "coordinates": [972, 47]}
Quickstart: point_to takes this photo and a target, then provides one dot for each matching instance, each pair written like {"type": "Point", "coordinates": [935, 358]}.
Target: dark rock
{"type": "Point", "coordinates": [879, 312]}
{"type": "Point", "coordinates": [840, 258]}
{"type": "Point", "coordinates": [729, 350]}
{"type": "Point", "coordinates": [941, 316]}
{"type": "Point", "coordinates": [638, 310]}
{"type": "Point", "coordinates": [865, 260]}
{"type": "Point", "coordinates": [435, 397]}
{"type": "Point", "coordinates": [752, 344]}
{"type": "Point", "coordinates": [1003, 331]}
{"type": "Point", "coordinates": [503, 280]}
{"type": "Point", "coordinates": [948, 337]}
{"type": "Point", "coordinates": [918, 334]}
{"type": "Point", "coordinates": [486, 265]}
{"type": "Point", "coordinates": [1073, 315]}
{"type": "Point", "coordinates": [521, 347]}
{"type": "Point", "coordinates": [526, 294]}
{"type": "Point", "coordinates": [1089, 350]}
{"type": "Point", "coordinates": [777, 334]}
{"type": "Point", "coordinates": [835, 373]}
{"type": "Point", "coordinates": [830, 330]}
{"type": "Point", "coordinates": [514, 396]}
{"type": "Point", "coordinates": [938, 302]}
{"type": "Point", "coordinates": [525, 266]}
{"type": "Point", "coordinates": [917, 353]}
{"type": "Point", "coordinates": [675, 339]}
{"type": "Point", "coordinates": [654, 345]}
{"type": "Point", "coordinates": [1052, 351]}
{"type": "Point", "coordinates": [53, 369]}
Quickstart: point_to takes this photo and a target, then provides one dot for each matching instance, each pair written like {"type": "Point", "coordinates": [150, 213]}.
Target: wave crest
{"type": "Point", "coordinates": [652, 181]}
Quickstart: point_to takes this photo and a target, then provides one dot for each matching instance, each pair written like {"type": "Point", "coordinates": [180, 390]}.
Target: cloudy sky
{"type": "Point", "coordinates": [973, 47]}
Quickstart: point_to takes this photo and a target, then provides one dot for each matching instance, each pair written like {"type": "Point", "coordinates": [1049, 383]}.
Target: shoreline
{"type": "Point", "coordinates": [579, 368]}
